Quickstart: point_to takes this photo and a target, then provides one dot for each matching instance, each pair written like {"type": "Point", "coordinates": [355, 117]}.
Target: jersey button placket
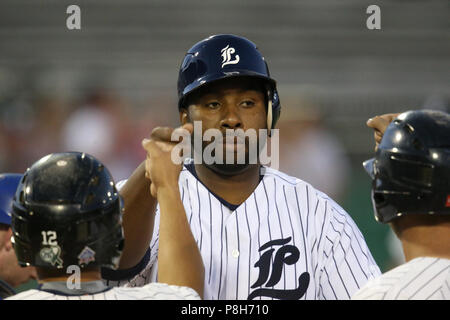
{"type": "Point", "coordinates": [232, 255]}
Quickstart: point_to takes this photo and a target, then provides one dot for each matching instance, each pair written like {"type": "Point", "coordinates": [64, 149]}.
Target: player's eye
{"type": "Point", "coordinates": [212, 105]}
{"type": "Point", "coordinates": [247, 103]}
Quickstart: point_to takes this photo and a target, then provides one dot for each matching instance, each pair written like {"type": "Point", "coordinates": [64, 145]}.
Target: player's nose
{"type": "Point", "coordinates": [231, 119]}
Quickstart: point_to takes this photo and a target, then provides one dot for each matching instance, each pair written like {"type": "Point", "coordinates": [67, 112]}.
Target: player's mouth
{"type": "Point", "coordinates": [234, 147]}
{"type": "Point", "coordinates": [233, 143]}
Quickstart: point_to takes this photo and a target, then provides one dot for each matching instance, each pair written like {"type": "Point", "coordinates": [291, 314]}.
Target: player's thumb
{"type": "Point", "coordinates": [189, 127]}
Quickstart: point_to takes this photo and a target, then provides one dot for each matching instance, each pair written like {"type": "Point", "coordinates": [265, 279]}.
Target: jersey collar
{"type": "Point", "coordinates": [61, 288]}
{"type": "Point", "coordinates": [189, 165]}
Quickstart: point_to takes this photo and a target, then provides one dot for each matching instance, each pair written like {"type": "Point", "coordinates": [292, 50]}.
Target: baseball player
{"type": "Point", "coordinates": [67, 216]}
{"type": "Point", "coordinates": [11, 274]}
{"type": "Point", "coordinates": [262, 234]}
{"type": "Point", "coordinates": [411, 191]}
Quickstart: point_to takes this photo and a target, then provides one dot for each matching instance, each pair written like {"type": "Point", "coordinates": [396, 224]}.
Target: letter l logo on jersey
{"type": "Point", "coordinates": [226, 55]}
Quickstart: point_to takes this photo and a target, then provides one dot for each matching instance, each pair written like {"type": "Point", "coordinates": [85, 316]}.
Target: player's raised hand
{"type": "Point", "coordinates": [160, 166]}
{"type": "Point", "coordinates": [379, 125]}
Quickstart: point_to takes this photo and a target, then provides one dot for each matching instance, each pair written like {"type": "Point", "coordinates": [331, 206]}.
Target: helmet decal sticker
{"type": "Point", "coordinates": [52, 255]}
{"type": "Point", "coordinates": [86, 255]}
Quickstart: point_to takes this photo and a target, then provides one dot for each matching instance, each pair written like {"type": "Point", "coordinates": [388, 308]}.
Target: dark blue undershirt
{"type": "Point", "coordinates": [126, 274]}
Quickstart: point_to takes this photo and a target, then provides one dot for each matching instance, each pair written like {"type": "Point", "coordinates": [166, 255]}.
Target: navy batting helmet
{"type": "Point", "coordinates": [223, 56]}
{"type": "Point", "coordinates": [67, 211]}
{"type": "Point", "coordinates": [411, 170]}
{"type": "Point", "coordinates": [8, 187]}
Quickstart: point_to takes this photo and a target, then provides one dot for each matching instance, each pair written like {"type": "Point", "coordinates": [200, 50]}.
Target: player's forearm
{"type": "Point", "coordinates": [138, 218]}
{"type": "Point", "coordinates": [179, 259]}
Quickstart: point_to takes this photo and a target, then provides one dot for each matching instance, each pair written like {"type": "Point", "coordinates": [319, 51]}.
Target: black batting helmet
{"type": "Point", "coordinates": [67, 211]}
{"type": "Point", "coordinates": [223, 56]}
{"type": "Point", "coordinates": [411, 170]}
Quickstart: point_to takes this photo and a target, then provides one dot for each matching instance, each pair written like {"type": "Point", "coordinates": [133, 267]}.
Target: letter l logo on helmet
{"type": "Point", "coordinates": [226, 55]}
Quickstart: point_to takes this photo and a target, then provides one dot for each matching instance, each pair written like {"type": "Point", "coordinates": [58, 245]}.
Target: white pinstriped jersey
{"type": "Point", "coordinates": [152, 291]}
{"type": "Point", "coordinates": [423, 278]}
{"type": "Point", "coordinates": [286, 241]}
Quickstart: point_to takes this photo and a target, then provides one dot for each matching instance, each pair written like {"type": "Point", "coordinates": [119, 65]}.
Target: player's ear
{"type": "Point", "coordinates": [8, 243]}
{"type": "Point", "coordinates": [184, 116]}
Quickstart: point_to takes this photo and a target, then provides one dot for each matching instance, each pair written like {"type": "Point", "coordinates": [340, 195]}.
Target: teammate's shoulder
{"type": "Point", "coordinates": [385, 285]}
{"type": "Point", "coordinates": [419, 265]}
{"type": "Point", "coordinates": [25, 295]}
{"type": "Point", "coordinates": [376, 289]}
{"type": "Point", "coordinates": [163, 291]}
{"type": "Point", "coordinates": [402, 282]}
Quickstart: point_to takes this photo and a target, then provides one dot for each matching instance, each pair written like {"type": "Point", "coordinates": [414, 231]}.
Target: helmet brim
{"type": "Point", "coordinates": [213, 78]}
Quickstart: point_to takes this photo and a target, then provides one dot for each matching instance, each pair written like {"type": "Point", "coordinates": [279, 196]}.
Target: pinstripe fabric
{"type": "Point", "coordinates": [286, 241]}
{"type": "Point", "coordinates": [152, 291]}
{"type": "Point", "coordinates": [423, 278]}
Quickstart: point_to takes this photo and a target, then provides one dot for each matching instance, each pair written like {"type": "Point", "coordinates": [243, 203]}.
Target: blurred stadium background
{"type": "Point", "coordinates": [103, 88]}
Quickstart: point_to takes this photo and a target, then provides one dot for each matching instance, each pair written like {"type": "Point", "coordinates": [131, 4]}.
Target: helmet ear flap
{"type": "Point", "coordinates": [270, 124]}
{"type": "Point", "coordinates": [273, 109]}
